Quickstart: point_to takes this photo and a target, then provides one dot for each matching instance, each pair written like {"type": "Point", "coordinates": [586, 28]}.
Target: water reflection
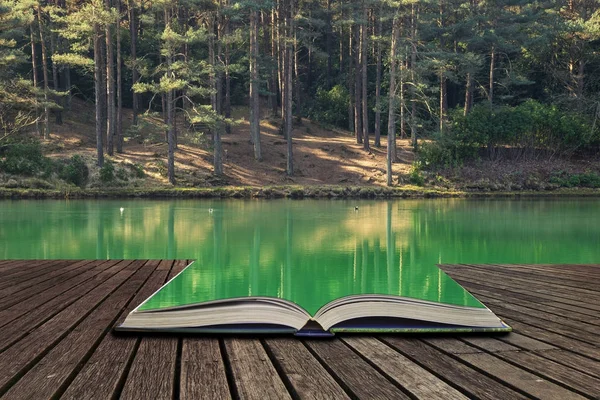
{"type": "Point", "coordinates": [309, 249]}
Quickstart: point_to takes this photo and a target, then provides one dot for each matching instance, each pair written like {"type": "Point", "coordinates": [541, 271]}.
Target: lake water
{"type": "Point", "coordinates": [281, 247]}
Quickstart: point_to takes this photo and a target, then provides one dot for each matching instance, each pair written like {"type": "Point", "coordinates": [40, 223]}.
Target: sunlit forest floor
{"type": "Point", "coordinates": [322, 156]}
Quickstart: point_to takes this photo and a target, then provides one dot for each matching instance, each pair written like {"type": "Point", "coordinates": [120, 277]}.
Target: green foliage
{"type": "Point", "coordinates": [416, 174]}
{"type": "Point", "coordinates": [121, 174]}
{"type": "Point", "coordinates": [75, 171]}
{"type": "Point", "coordinates": [107, 172]}
{"type": "Point", "coordinates": [331, 107]}
{"type": "Point", "coordinates": [587, 179]}
{"type": "Point", "coordinates": [24, 159]}
{"type": "Point", "coordinates": [138, 170]}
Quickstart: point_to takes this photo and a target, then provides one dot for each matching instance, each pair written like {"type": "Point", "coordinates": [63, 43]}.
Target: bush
{"type": "Point", "coordinates": [75, 171]}
{"type": "Point", "coordinates": [107, 172]}
{"type": "Point", "coordinates": [122, 174]}
{"type": "Point", "coordinates": [416, 176]}
{"type": "Point", "coordinates": [564, 179]}
{"type": "Point", "coordinates": [138, 170]}
{"type": "Point", "coordinates": [331, 107]}
{"type": "Point", "coordinates": [25, 159]}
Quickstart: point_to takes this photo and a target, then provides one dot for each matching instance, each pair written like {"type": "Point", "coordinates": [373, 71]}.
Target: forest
{"type": "Point", "coordinates": [458, 81]}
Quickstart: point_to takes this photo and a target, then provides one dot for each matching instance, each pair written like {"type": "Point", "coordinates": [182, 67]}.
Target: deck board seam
{"type": "Point", "coordinates": [233, 391]}
{"type": "Point", "coordinates": [282, 375]}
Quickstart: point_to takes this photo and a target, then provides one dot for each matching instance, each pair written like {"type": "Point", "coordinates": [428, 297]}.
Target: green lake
{"type": "Point", "coordinates": [279, 247]}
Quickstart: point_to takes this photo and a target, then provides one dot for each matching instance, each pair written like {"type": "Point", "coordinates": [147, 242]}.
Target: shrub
{"type": "Point", "coordinates": [107, 172]}
{"type": "Point", "coordinates": [416, 176]}
{"type": "Point", "coordinates": [138, 170]}
{"type": "Point", "coordinates": [331, 106]}
{"type": "Point", "coordinates": [75, 171]}
{"type": "Point", "coordinates": [25, 159]}
{"type": "Point", "coordinates": [122, 174]}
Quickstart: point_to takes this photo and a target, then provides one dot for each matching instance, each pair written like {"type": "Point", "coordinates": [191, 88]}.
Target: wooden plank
{"type": "Point", "coordinates": [357, 376]}
{"type": "Point", "coordinates": [254, 375]}
{"type": "Point", "coordinates": [8, 313]}
{"type": "Point", "coordinates": [45, 379]}
{"type": "Point", "coordinates": [203, 370]}
{"type": "Point", "coordinates": [468, 380]}
{"type": "Point", "coordinates": [565, 296]}
{"type": "Point", "coordinates": [541, 280]}
{"type": "Point", "coordinates": [412, 377]}
{"type": "Point", "coordinates": [22, 291]}
{"type": "Point", "coordinates": [110, 360]}
{"type": "Point", "coordinates": [556, 339]}
{"type": "Point", "coordinates": [525, 342]}
{"type": "Point", "coordinates": [571, 360]}
{"type": "Point", "coordinates": [490, 344]}
{"type": "Point", "coordinates": [18, 358]}
{"type": "Point", "coordinates": [25, 323]}
{"type": "Point", "coordinates": [32, 269]}
{"type": "Point", "coordinates": [153, 372]}
{"type": "Point", "coordinates": [578, 273]}
{"type": "Point", "coordinates": [575, 380]}
{"type": "Point", "coordinates": [157, 380]}
{"type": "Point", "coordinates": [498, 291]}
{"type": "Point", "coordinates": [305, 374]}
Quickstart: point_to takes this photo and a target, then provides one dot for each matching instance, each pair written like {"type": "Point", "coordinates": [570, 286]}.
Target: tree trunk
{"type": "Point", "coordinates": [288, 90]}
{"type": "Point", "coordinates": [274, 87]}
{"type": "Point", "coordinates": [98, 89]}
{"type": "Point", "coordinates": [378, 85]}
{"type": "Point", "coordinates": [402, 97]}
{"type": "Point", "coordinates": [46, 129]}
{"type": "Point", "coordinates": [357, 87]}
{"type": "Point", "coordinates": [169, 110]}
{"type": "Point", "coordinates": [219, 61]}
{"type": "Point", "coordinates": [350, 82]}
{"type": "Point", "coordinates": [103, 97]}
{"type": "Point", "coordinates": [468, 95]}
{"type": "Point", "coordinates": [297, 79]}
{"type": "Point", "coordinates": [119, 128]}
{"type": "Point", "coordinates": [227, 106]}
{"type": "Point", "coordinates": [492, 67]}
{"type": "Point", "coordinates": [211, 61]}
{"type": "Point", "coordinates": [443, 101]}
{"type": "Point", "coordinates": [580, 79]}
{"type": "Point", "coordinates": [34, 69]}
{"type": "Point", "coordinates": [363, 66]}
{"type": "Point", "coordinates": [110, 87]}
{"type": "Point", "coordinates": [254, 86]}
{"type": "Point", "coordinates": [413, 64]}
{"type": "Point", "coordinates": [328, 41]}
{"type": "Point", "coordinates": [391, 135]}
{"type": "Point", "coordinates": [218, 152]}
{"type": "Point", "coordinates": [133, 48]}
{"type": "Point", "coordinates": [55, 82]}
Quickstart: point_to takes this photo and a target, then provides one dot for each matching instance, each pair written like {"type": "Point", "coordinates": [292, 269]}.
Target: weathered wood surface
{"type": "Point", "coordinates": [56, 341]}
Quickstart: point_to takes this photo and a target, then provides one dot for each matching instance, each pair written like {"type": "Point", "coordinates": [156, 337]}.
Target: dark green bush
{"type": "Point", "coordinates": [75, 171]}
{"type": "Point", "coordinates": [331, 106]}
{"type": "Point", "coordinates": [25, 159]}
{"type": "Point", "coordinates": [107, 172]}
{"type": "Point", "coordinates": [122, 174]}
{"type": "Point", "coordinates": [587, 179]}
{"type": "Point", "coordinates": [416, 175]}
{"type": "Point", "coordinates": [138, 170]}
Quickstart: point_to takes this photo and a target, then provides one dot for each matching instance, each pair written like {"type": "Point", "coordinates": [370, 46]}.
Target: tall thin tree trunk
{"type": "Point", "coordinates": [211, 61]}
{"type": "Point", "coordinates": [413, 65]}
{"type": "Point", "coordinates": [110, 86]}
{"type": "Point", "coordinates": [55, 82]}
{"type": "Point", "coordinates": [103, 97]}
{"type": "Point", "coordinates": [219, 60]}
{"type": "Point", "coordinates": [274, 87]}
{"type": "Point", "coordinates": [443, 101]}
{"type": "Point", "coordinates": [378, 85]}
{"type": "Point", "coordinates": [492, 69]}
{"type": "Point", "coordinates": [288, 89]}
{"type": "Point", "coordinates": [98, 89]}
{"type": "Point", "coordinates": [254, 86]}
{"type": "Point", "coordinates": [119, 128]}
{"type": "Point", "coordinates": [350, 82]}
{"type": "Point", "coordinates": [34, 69]}
{"type": "Point", "coordinates": [358, 130]}
{"type": "Point", "coordinates": [363, 65]}
{"type": "Point", "coordinates": [402, 97]}
{"type": "Point", "coordinates": [133, 48]}
{"type": "Point", "coordinates": [580, 79]}
{"type": "Point", "coordinates": [227, 105]}
{"type": "Point", "coordinates": [297, 79]}
{"type": "Point", "coordinates": [328, 41]}
{"type": "Point", "coordinates": [46, 129]}
{"type": "Point", "coordinates": [169, 104]}
{"type": "Point", "coordinates": [391, 138]}
{"type": "Point", "coordinates": [468, 94]}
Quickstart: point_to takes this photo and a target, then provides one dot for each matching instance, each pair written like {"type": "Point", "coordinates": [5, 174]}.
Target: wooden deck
{"type": "Point", "coordinates": [56, 342]}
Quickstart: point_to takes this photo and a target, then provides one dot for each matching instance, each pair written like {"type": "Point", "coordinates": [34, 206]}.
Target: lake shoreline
{"type": "Point", "coordinates": [284, 191]}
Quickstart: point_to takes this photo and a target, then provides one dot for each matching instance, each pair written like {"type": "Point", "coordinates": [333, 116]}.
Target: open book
{"type": "Point", "coordinates": [191, 303]}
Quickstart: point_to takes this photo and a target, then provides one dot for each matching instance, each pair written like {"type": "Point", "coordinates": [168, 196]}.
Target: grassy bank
{"type": "Point", "coordinates": [293, 192]}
